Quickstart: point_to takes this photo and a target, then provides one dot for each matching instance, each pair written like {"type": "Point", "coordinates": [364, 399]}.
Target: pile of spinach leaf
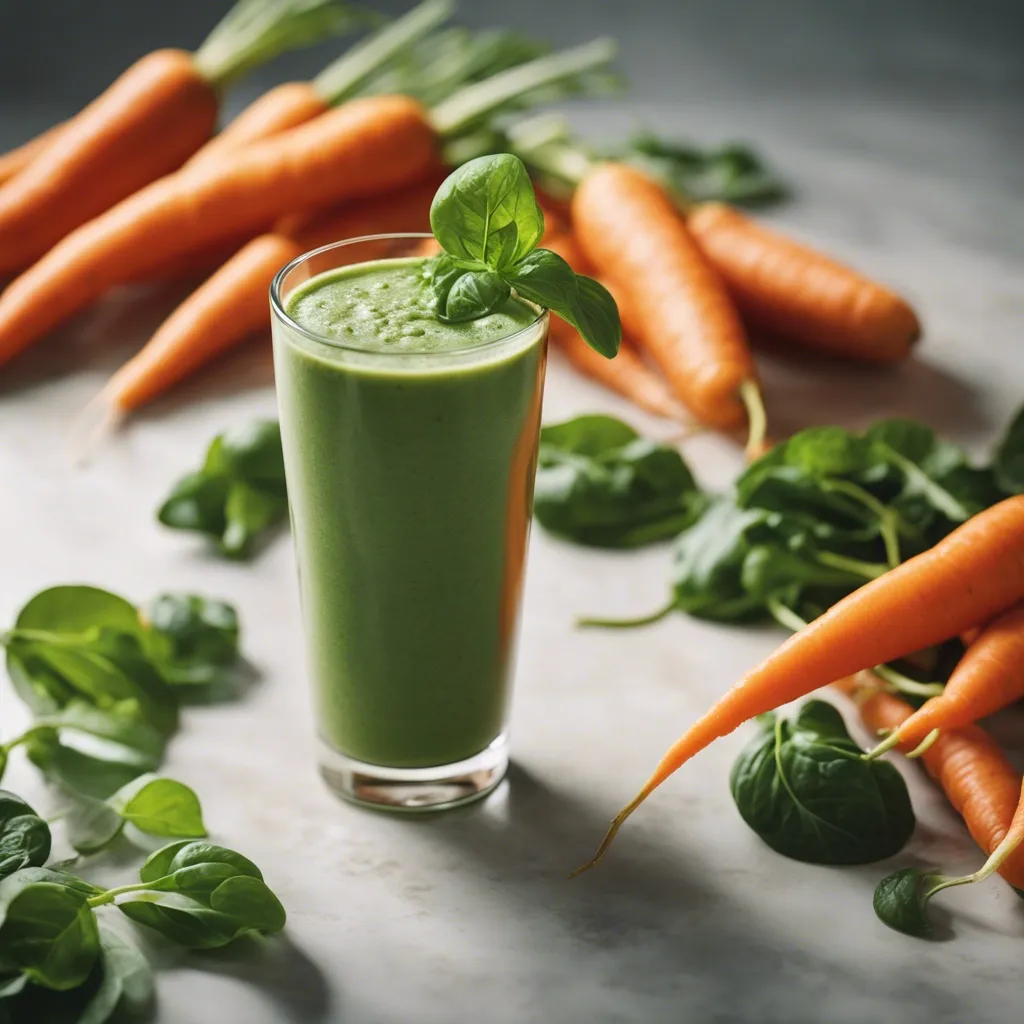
{"type": "Point", "coordinates": [238, 496]}
{"type": "Point", "coordinates": [810, 521]}
{"type": "Point", "coordinates": [61, 961]}
{"type": "Point", "coordinates": [103, 680]}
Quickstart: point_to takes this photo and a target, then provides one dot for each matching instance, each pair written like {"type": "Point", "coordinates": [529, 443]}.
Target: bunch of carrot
{"type": "Point", "coordinates": [691, 280]}
{"type": "Point", "coordinates": [305, 164]}
{"type": "Point", "coordinates": [971, 583]}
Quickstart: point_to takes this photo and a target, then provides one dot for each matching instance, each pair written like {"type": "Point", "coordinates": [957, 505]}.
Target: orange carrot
{"type": "Point", "coordinates": [630, 230]}
{"type": "Point", "coordinates": [233, 303]}
{"type": "Point", "coordinates": [16, 160]}
{"type": "Point", "coordinates": [990, 676]}
{"type": "Point", "coordinates": [145, 125]}
{"type": "Point", "coordinates": [627, 373]}
{"type": "Point", "coordinates": [978, 780]}
{"type": "Point", "coordinates": [971, 575]}
{"type": "Point", "coordinates": [799, 294]}
{"type": "Point", "coordinates": [361, 149]}
{"type": "Point", "coordinates": [285, 106]}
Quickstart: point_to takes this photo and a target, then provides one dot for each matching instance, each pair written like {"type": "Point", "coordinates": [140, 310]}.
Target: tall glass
{"type": "Point", "coordinates": [410, 479]}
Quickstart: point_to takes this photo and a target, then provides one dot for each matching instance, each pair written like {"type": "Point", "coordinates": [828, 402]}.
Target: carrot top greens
{"type": "Point", "coordinates": [486, 218]}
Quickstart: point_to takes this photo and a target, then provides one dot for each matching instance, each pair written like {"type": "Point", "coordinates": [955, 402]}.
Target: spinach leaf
{"type": "Point", "coordinates": [600, 483]}
{"type": "Point", "coordinates": [900, 900]}
{"type": "Point", "coordinates": [731, 173]}
{"type": "Point", "coordinates": [202, 896]}
{"type": "Point", "coordinates": [928, 465]}
{"type": "Point", "coordinates": [47, 931]}
{"type": "Point", "coordinates": [24, 836]}
{"type": "Point", "coordinates": [1008, 459]}
{"type": "Point", "coordinates": [239, 495]}
{"type": "Point", "coordinates": [486, 218]}
{"type": "Point", "coordinates": [157, 806]}
{"type": "Point", "coordinates": [804, 788]}
{"type": "Point", "coordinates": [707, 570]}
{"type": "Point", "coordinates": [192, 639]}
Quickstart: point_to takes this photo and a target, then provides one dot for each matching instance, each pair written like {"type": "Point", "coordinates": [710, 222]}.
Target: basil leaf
{"type": "Point", "coordinates": [806, 791]}
{"type": "Point", "coordinates": [474, 294]}
{"type": "Point", "coordinates": [47, 931]}
{"type": "Point", "coordinates": [160, 807]}
{"type": "Point", "coordinates": [899, 902]}
{"type": "Point", "coordinates": [485, 213]}
{"type": "Point", "coordinates": [546, 279]}
{"type": "Point", "coordinates": [599, 483]}
{"type": "Point", "coordinates": [192, 639]}
{"type": "Point", "coordinates": [442, 272]}
{"type": "Point", "coordinates": [595, 316]}
{"type": "Point", "coordinates": [24, 836]}
{"type": "Point", "coordinates": [1008, 461]}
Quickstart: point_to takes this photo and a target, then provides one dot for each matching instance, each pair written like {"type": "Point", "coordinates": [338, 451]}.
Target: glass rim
{"type": "Point", "coordinates": [277, 305]}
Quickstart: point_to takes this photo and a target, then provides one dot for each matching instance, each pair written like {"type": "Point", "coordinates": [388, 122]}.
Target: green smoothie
{"type": "Point", "coordinates": [410, 449]}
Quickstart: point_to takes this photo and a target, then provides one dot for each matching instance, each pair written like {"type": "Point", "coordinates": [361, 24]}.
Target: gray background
{"type": "Point", "coordinates": [899, 125]}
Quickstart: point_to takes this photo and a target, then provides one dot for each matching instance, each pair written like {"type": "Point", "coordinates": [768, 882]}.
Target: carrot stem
{"type": "Point", "coordinates": [904, 684]}
{"type": "Point", "coordinates": [255, 31]}
{"type": "Point", "coordinates": [995, 861]}
{"type": "Point", "coordinates": [482, 98]}
{"type": "Point", "coordinates": [925, 744]}
{"type": "Point", "coordinates": [888, 521]}
{"type": "Point", "coordinates": [339, 80]}
{"type": "Point", "coordinates": [869, 570]}
{"type": "Point", "coordinates": [750, 393]}
{"type": "Point", "coordinates": [643, 620]}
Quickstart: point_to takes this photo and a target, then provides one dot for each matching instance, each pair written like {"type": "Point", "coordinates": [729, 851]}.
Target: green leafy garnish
{"type": "Point", "coordinates": [600, 483]}
{"type": "Point", "coordinates": [804, 788]}
{"type": "Point", "coordinates": [239, 494]}
{"type": "Point", "coordinates": [1008, 460]}
{"type": "Point", "coordinates": [486, 218]}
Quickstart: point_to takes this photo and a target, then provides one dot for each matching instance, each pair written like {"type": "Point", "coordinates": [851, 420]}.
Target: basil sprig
{"type": "Point", "coordinates": [486, 218]}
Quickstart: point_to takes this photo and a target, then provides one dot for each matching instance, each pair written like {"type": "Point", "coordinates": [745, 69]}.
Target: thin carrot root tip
{"type": "Point", "coordinates": [92, 428]}
{"type": "Point", "coordinates": [613, 829]}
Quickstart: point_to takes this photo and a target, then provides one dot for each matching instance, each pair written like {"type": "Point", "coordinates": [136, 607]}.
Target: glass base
{"type": "Point", "coordinates": [414, 789]}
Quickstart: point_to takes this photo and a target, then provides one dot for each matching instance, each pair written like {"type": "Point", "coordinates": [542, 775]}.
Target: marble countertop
{"type": "Point", "coordinates": [468, 916]}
